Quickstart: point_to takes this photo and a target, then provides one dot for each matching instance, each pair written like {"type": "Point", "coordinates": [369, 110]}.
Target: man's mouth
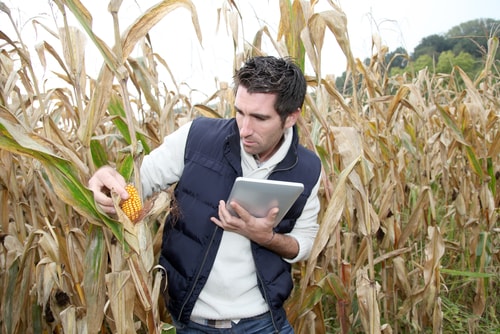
{"type": "Point", "coordinates": [247, 142]}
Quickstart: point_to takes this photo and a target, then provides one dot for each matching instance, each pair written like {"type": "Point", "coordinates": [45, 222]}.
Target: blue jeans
{"type": "Point", "coordinates": [262, 324]}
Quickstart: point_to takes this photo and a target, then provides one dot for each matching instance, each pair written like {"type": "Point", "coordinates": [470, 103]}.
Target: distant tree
{"type": "Point", "coordinates": [445, 62]}
{"type": "Point", "coordinates": [432, 46]}
{"type": "Point", "coordinates": [464, 46]}
{"type": "Point", "coordinates": [467, 63]}
{"type": "Point", "coordinates": [397, 58]}
{"type": "Point", "coordinates": [340, 82]}
{"type": "Point", "coordinates": [472, 36]}
{"type": "Point", "coordinates": [424, 61]}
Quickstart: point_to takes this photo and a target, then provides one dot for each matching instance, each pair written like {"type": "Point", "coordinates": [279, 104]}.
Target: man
{"type": "Point", "coordinates": [228, 273]}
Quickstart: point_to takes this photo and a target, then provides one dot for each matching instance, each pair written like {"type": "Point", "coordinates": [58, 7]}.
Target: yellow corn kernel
{"type": "Point", "coordinates": [132, 207]}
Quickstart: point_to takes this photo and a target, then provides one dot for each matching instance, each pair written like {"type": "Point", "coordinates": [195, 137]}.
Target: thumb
{"type": "Point", "coordinates": [272, 214]}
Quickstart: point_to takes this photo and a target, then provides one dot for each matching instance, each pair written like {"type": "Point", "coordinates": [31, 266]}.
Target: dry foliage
{"type": "Point", "coordinates": [409, 235]}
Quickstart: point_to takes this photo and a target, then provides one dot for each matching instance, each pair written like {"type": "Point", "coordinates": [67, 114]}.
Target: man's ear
{"type": "Point", "coordinates": [292, 118]}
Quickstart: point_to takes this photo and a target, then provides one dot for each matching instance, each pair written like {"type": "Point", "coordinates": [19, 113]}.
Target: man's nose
{"type": "Point", "coordinates": [246, 127]}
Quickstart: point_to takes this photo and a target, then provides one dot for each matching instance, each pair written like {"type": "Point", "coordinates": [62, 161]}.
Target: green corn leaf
{"type": "Point", "coordinates": [457, 134]}
{"type": "Point", "coordinates": [61, 173]}
{"type": "Point", "coordinates": [98, 153]}
{"type": "Point", "coordinates": [96, 258]}
{"type": "Point", "coordinates": [493, 179]}
{"type": "Point", "coordinates": [85, 18]}
{"type": "Point", "coordinates": [475, 164]}
{"type": "Point", "coordinates": [332, 285]}
{"type": "Point", "coordinates": [116, 109]}
{"type": "Point", "coordinates": [126, 167]}
{"type": "Point", "coordinates": [471, 274]}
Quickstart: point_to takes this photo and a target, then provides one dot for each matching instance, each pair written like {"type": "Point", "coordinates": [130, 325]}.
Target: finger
{"type": "Point", "coordinates": [108, 209]}
{"type": "Point", "coordinates": [117, 184]}
{"type": "Point", "coordinates": [224, 213]}
{"type": "Point", "coordinates": [272, 214]}
{"type": "Point", "coordinates": [240, 211]}
{"type": "Point", "coordinates": [113, 180]}
{"type": "Point", "coordinates": [107, 178]}
{"type": "Point", "coordinates": [216, 222]}
{"type": "Point", "coordinates": [102, 199]}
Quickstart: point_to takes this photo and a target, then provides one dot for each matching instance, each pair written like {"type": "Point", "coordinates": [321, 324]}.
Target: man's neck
{"type": "Point", "coordinates": [258, 158]}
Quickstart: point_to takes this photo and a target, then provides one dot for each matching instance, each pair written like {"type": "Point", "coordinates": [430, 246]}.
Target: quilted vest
{"type": "Point", "coordinates": [191, 240]}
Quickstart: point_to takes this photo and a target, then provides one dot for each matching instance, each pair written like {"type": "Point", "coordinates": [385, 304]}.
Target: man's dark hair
{"type": "Point", "coordinates": [280, 76]}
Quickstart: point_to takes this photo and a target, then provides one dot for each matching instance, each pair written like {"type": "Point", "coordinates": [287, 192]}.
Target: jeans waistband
{"type": "Point", "coordinates": [223, 323]}
{"type": "Point", "coordinates": [213, 323]}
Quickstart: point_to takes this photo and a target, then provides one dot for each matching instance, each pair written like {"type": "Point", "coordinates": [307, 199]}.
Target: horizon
{"type": "Point", "coordinates": [201, 68]}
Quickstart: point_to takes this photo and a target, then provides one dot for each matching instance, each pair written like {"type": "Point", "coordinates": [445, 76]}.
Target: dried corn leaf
{"type": "Point", "coordinates": [336, 21]}
{"type": "Point", "coordinates": [395, 104]}
{"type": "Point", "coordinates": [46, 274]}
{"type": "Point", "coordinates": [313, 37]}
{"type": "Point", "coordinates": [121, 294]}
{"type": "Point", "coordinates": [73, 43]}
{"type": "Point", "coordinates": [415, 218]}
{"type": "Point", "coordinates": [50, 246]}
{"type": "Point", "coordinates": [143, 287]}
{"type": "Point", "coordinates": [483, 257]}
{"type": "Point", "coordinates": [13, 248]}
{"type": "Point", "coordinates": [159, 288]}
{"type": "Point", "coordinates": [95, 265]}
{"type": "Point", "coordinates": [488, 204]}
{"type": "Point", "coordinates": [367, 292]}
{"type": "Point", "coordinates": [494, 150]}
{"type": "Point", "coordinates": [437, 317]}
{"type": "Point", "coordinates": [85, 19]}
{"type": "Point", "coordinates": [142, 281]}
{"type": "Point", "coordinates": [434, 251]}
{"type": "Point", "coordinates": [330, 220]}
{"type": "Point", "coordinates": [75, 240]}
{"type": "Point", "coordinates": [292, 22]}
{"type": "Point", "coordinates": [70, 323]}
{"type": "Point", "coordinates": [350, 146]}
{"type": "Point", "coordinates": [151, 17]}
{"type": "Point", "coordinates": [145, 241]}
{"type": "Point", "coordinates": [402, 275]}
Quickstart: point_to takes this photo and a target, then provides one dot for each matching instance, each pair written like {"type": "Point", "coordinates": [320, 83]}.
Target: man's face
{"type": "Point", "coordinates": [260, 125]}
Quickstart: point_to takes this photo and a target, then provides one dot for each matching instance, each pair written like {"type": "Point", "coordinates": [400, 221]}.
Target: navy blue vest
{"type": "Point", "coordinates": [190, 239]}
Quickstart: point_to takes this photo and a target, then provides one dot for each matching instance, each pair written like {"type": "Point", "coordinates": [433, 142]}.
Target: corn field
{"type": "Point", "coordinates": [409, 240]}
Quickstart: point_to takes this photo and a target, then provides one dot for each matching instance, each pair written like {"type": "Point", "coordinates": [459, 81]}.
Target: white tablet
{"type": "Point", "coordinates": [258, 196]}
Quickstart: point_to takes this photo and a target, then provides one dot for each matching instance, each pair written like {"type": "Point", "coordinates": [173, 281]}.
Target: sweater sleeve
{"type": "Point", "coordinates": [306, 227]}
{"type": "Point", "coordinates": [164, 165]}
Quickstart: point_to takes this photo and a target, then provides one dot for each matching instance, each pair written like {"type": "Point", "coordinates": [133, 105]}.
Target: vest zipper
{"type": "Point", "coordinates": [285, 169]}
{"type": "Point", "coordinates": [276, 330]}
{"type": "Point", "coordinates": [197, 274]}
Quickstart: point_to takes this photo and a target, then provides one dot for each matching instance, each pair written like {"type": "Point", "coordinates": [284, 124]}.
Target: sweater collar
{"type": "Point", "coordinates": [284, 158]}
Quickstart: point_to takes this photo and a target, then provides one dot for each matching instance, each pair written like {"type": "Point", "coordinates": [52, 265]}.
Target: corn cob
{"type": "Point", "coordinates": [132, 207]}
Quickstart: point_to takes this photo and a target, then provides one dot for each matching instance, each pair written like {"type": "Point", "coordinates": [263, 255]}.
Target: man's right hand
{"type": "Point", "coordinates": [102, 182]}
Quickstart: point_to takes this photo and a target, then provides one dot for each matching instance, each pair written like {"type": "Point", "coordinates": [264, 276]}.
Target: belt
{"type": "Point", "coordinates": [213, 323]}
{"type": "Point", "coordinates": [223, 323]}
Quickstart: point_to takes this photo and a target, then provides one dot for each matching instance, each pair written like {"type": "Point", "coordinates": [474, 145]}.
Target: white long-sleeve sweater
{"type": "Point", "coordinates": [231, 291]}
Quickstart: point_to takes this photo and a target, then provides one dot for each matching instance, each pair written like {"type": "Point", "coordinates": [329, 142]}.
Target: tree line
{"type": "Point", "coordinates": [464, 46]}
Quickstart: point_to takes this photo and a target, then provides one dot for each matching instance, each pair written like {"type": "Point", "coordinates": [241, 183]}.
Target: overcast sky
{"type": "Point", "coordinates": [397, 22]}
